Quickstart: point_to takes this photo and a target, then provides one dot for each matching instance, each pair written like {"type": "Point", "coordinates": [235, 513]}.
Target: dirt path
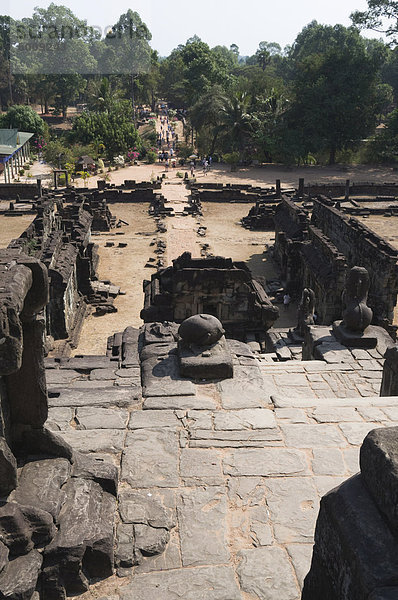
{"type": "Point", "coordinates": [181, 236]}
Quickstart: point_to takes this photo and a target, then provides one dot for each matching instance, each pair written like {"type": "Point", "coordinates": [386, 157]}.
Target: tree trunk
{"type": "Point", "coordinates": [213, 144]}
{"type": "Point", "coordinates": [332, 155]}
{"type": "Point", "coordinates": [10, 85]}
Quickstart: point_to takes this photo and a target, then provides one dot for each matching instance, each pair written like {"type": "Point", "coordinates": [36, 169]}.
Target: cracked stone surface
{"type": "Point", "coordinates": [224, 479]}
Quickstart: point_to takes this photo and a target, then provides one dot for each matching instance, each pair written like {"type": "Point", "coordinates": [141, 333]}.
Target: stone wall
{"type": "Point", "coordinates": [25, 191]}
{"type": "Point", "coordinates": [241, 193]}
{"type": "Point", "coordinates": [317, 252]}
{"type": "Point", "coordinates": [362, 247]}
{"type": "Point", "coordinates": [323, 269]}
{"type": "Point", "coordinates": [337, 190]}
{"type": "Point", "coordinates": [291, 229]}
{"type": "Point", "coordinates": [57, 509]}
{"type": "Point", "coordinates": [60, 236]}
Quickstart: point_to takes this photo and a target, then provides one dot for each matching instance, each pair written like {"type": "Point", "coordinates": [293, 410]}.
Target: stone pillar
{"type": "Point", "coordinates": [389, 385]}
{"type": "Point", "coordinates": [278, 188]}
{"type": "Point", "coordinates": [39, 188]}
{"type": "Point", "coordinates": [347, 190]}
{"type": "Point", "coordinates": [27, 387]}
{"type": "Point", "coordinates": [12, 167]}
{"type": "Point", "coordinates": [301, 187]}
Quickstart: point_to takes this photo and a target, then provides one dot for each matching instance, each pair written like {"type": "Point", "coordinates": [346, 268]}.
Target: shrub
{"type": "Point", "coordinates": [151, 157]}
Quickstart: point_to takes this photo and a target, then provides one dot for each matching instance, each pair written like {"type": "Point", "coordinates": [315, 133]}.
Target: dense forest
{"type": "Point", "coordinates": [330, 96]}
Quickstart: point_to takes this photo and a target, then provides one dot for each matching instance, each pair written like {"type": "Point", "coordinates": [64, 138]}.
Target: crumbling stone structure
{"type": "Point", "coordinates": [60, 236]}
{"type": "Point", "coordinates": [57, 510]}
{"type": "Point", "coordinates": [356, 540]}
{"type": "Point", "coordinates": [241, 193]}
{"type": "Point", "coordinates": [215, 286]}
{"type": "Point", "coordinates": [316, 251]}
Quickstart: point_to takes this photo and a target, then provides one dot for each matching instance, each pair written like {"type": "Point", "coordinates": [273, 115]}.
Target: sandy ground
{"type": "Point", "coordinates": [125, 267]}
{"type": "Point", "coordinates": [12, 227]}
{"type": "Point", "coordinates": [265, 176]}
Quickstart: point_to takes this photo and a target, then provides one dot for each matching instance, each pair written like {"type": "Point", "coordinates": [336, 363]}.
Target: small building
{"type": "Point", "coordinates": [85, 163]}
{"type": "Point", "coordinates": [14, 152]}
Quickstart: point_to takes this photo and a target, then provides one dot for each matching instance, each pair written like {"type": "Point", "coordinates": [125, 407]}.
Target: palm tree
{"type": "Point", "coordinates": [207, 112]}
{"type": "Point", "coordinates": [237, 121]}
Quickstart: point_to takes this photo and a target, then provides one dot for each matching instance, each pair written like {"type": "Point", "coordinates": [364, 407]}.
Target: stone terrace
{"type": "Point", "coordinates": [229, 474]}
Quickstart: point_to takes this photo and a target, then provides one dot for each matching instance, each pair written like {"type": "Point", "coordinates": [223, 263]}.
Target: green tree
{"type": "Point", "coordinates": [334, 81]}
{"type": "Point", "coordinates": [6, 95]}
{"type": "Point", "coordinates": [113, 128]}
{"type": "Point", "coordinates": [383, 147]}
{"type": "Point", "coordinates": [58, 155]}
{"type": "Point", "coordinates": [381, 16]}
{"type": "Point", "coordinates": [237, 122]}
{"type": "Point", "coordinates": [24, 118]}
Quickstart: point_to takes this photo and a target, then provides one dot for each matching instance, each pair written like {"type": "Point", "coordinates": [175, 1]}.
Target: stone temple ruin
{"type": "Point", "coordinates": [189, 460]}
{"type": "Point", "coordinates": [211, 285]}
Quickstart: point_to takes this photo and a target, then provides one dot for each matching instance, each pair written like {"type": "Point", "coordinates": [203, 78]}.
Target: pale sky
{"type": "Point", "coordinates": [217, 22]}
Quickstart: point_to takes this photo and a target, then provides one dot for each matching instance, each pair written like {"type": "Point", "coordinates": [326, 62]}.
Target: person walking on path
{"type": "Point", "coordinates": [286, 300]}
{"type": "Point", "coordinates": [192, 165]}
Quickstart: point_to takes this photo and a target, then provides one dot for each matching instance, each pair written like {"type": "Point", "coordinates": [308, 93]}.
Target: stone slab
{"type": "Point", "coordinates": [202, 524]}
{"type": "Point", "coordinates": [312, 436]}
{"type": "Point", "coordinates": [151, 459]}
{"type": "Point", "coordinates": [333, 353]}
{"type": "Point", "coordinates": [59, 418]}
{"type": "Point", "coordinates": [301, 555]}
{"type": "Point", "coordinates": [245, 390]}
{"type": "Point", "coordinates": [293, 504]}
{"type": "Point", "coordinates": [108, 374]}
{"type": "Point", "coordinates": [153, 419]}
{"type": "Point", "coordinates": [266, 574]}
{"type": "Point", "coordinates": [201, 467]}
{"type": "Point", "coordinates": [87, 363]}
{"type": "Point", "coordinates": [328, 461]}
{"type": "Point", "coordinates": [204, 583]}
{"type": "Point", "coordinates": [61, 376]}
{"type": "Point", "coordinates": [109, 396]}
{"type": "Point", "coordinates": [95, 440]}
{"type": "Point", "coordinates": [101, 418]}
{"type": "Point", "coordinates": [357, 432]}
{"type": "Point", "coordinates": [244, 419]}
{"type": "Point", "coordinates": [266, 462]}
{"type": "Point", "coordinates": [161, 377]}
{"type": "Point", "coordinates": [180, 403]}
{"type": "Point", "coordinates": [334, 414]}
{"type": "Point", "coordinates": [312, 402]}
{"type": "Point", "coordinates": [153, 506]}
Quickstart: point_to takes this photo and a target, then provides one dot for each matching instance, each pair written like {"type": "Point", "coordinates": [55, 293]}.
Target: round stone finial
{"type": "Point", "coordinates": [202, 330]}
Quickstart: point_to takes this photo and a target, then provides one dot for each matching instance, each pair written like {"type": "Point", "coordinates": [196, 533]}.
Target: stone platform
{"type": "Point", "coordinates": [219, 482]}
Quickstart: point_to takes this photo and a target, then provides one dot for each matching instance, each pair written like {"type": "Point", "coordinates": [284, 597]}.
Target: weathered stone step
{"type": "Point", "coordinates": [107, 396]}
{"type": "Point", "coordinates": [296, 366]}
{"type": "Point", "coordinates": [287, 402]}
